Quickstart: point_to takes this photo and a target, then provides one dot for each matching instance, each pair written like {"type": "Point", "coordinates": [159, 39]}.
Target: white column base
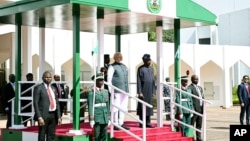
{"type": "Point", "coordinates": [17, 127]}
{"type": "Point", "coordinates": [76, 132]}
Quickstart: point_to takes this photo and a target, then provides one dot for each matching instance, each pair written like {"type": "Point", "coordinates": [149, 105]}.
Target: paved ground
{"type": "Point", "coordinates": [218, 122]}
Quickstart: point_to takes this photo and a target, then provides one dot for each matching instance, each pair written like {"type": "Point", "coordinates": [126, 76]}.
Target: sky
{"type": "Point", "coordinates": [219, 7]}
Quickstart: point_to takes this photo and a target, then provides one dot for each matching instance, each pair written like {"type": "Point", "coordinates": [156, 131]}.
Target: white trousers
{"type": "Point", "coordinates": [121, 101]}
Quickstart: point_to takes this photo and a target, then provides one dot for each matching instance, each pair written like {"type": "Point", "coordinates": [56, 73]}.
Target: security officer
{"type": "Point", "coordinates": [99, 109]}
{"type": "Point", "coordinates": [186, 101]}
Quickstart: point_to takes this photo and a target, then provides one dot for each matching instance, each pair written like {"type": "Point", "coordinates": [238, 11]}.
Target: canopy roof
{"type": "Point", "coordinates": [58, 14]}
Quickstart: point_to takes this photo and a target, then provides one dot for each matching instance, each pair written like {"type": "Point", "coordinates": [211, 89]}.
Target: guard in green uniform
{"type": "Point", "coordinates": [99, 109]}
{"type": "Point", "coordinates": [186, 101]}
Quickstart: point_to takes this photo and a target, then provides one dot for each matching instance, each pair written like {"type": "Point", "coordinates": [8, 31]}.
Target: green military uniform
{"type": "Point", "coordinates": [186, 101]}
{"type": "Point", "coordinates": [101, 113]}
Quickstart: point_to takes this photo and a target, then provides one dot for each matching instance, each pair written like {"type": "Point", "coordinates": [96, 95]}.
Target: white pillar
{"type": "Point", "coordinates": [227, 95]}
{"type": "Point", "coordinates": [100, 36]}
{"type": "Point", "coordinates": [41, 52]}
{"type": "Point", "coordinates": [12, 55]}
{"type": "Point", "coordinates": [27, 51]}
{"type": "Point", "coordinates": [196, 68]}
{"type": "Point", "coordinates": [159, 76]}
{"type": "Point", "coordinates": [57, 44]}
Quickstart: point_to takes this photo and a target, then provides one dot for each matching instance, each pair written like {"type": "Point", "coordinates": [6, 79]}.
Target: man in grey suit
{"type": "Point", "coordinates": [46, 106]}
{"type": "Point", "coordinates": [197, 104]}
{"type": "Point", "coordinates": [243, 95]}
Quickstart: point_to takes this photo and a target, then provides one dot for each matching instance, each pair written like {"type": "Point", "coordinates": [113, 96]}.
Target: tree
{"type": "Point", "coordinates": [167, 36]}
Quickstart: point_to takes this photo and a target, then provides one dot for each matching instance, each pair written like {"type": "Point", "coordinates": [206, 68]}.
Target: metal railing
{"type": "Point", "coordinates": [30, 98]}
{"type": "Point", "coordinates": [143, 122]}
{"type": "Point", "coordinates": [174, 104]}
{"type": "Point", "coordinates": [144, 104]}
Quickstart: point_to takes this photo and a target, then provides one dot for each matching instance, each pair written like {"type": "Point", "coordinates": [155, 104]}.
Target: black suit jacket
{"type": "Point", "coordinates": [196, 102]}
{"type": "Point", "coordinates": [62, 93]}
{"type": "Point", "coordinates": [41, 102]}
{"type": "Point", "coordinates": [243, 93]}
{"type": "Point", "coordinates": [9, 93]}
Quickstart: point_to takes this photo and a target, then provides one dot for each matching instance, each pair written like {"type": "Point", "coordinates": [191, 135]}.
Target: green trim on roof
{"type": "Point", "coordinates": [113, 4]}
{"type": "Point", "coordinates": [27, 5]}
{"type": "Point", "coordinates": [187, 9]}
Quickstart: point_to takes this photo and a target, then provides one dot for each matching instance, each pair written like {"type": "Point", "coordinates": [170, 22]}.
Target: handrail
{"type": "Point", "coordinates": [187, 93]}
{"type": "Point", "coordinates": [148, 105]}
{"type": "Point", "coordinates": [192, 111]}
{"type": "Point", "coordinates": [144, 104]}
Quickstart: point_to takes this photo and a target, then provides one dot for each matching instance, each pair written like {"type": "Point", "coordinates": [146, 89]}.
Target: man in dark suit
{"type": "Point", "coordinates": [25, 86]}
{"type": "Point", "coordinates": [106, 61]}
{"type": "Point", "coordinates": [145, 88]}
{"type": "Point", "coordinates": [46, 107]}
{"type": "Point", "coordinates": [9, 93]}
{"type": "Point", "coordinates": [243, 95]}
{"type": "Point", "coordinates": [60, 92]}
{"type": "Point", "coordinates": [197, 104]}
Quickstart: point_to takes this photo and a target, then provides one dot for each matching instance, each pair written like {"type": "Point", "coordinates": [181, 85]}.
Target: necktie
{"type": "Point", "coordinates": [199, 92]}
{"type": "Point", "coordinates": [51, 101]}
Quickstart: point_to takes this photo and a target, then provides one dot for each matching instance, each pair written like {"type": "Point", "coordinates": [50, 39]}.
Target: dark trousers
{"type": "Point", "coordinates": [48, 130]}
{"type": "Point", "coordinates": [61, 105]}
{"type": "Point", "coordinates": [148, 120]}
{"type": "Point", "coordinates": [197, 120]}
{"type": "Point", "coordinates": [244, 110]}
{"type": "Point", "coordinates": [186, 119]}
{"type": "Point", "coordinates": [100, 132]}
{"type": "Point", "coordinates": [9, 118]}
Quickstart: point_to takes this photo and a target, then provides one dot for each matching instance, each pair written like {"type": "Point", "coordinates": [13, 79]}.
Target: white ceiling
{"type": "Point", "coordinates": [7, 1]}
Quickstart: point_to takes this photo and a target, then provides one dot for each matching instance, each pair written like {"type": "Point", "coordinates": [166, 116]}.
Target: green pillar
{"type": "Point", "coordinates": [118, 39]}
{"type": "Point", "coordinates": [18, 39]}
{"type": "Point", "coordinates": [76, 66]}
{"type": "Point", "coordinates": [177, 61]}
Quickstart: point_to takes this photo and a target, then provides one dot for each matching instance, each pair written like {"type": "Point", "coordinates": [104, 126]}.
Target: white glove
{"type": "Point", "coordinates": [181, 116]}
{"type": "Point", "coordinates": [109, 123]}
{"type": "Point", "coordinates": [191, 115]}
{"type": "Point", "coordinates": [92, 123]}
{"type": "Point", "coordinates": [7, 109]}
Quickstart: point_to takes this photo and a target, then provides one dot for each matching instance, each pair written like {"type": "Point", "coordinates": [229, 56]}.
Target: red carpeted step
{"type": "Point", "coordinates": [138, 131]}
{"type": "Point", "coordinates": [162, 139]}
{"type": "Point", "coordinates": [153, 134]}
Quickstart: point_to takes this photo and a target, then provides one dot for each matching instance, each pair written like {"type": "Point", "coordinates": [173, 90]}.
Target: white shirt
{"type": "Point", "coordinates": [111, 71]}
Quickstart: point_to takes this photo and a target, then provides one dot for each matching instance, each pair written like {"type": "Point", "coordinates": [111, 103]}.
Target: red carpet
{"type": "Point", "coordinates": [153, 134]}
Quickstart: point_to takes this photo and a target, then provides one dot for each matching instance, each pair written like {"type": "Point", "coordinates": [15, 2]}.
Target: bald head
{"type": "Point", "coordinates": [195, 79]}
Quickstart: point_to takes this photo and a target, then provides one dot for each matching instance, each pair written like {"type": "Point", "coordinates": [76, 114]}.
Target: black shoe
{"type": "Point", "coordinates": [168, 118]}
{"type": "Point", "coordinates": [116, 128]}
{"type": "Point", "coordinates": [125, 127]}
{"type": "Point", "coordinates": [149, 126]}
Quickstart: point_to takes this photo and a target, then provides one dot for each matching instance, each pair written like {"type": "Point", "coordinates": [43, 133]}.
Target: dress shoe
{"type": "Point", "coordinates": [125, 127]}
{"type": "Point", "coordinates": [149, 126]}
{"type": "Point", "coordinates": [116, 128]}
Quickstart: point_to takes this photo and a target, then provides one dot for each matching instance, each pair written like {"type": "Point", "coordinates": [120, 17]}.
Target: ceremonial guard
{"type": "Point", "coordinates": [99, 109]}
{"type": "Point", "coordinates": [186, 101]}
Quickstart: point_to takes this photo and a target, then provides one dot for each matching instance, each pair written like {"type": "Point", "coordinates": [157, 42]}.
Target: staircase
{"type": "Point", "coordinates": [152, 134]}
